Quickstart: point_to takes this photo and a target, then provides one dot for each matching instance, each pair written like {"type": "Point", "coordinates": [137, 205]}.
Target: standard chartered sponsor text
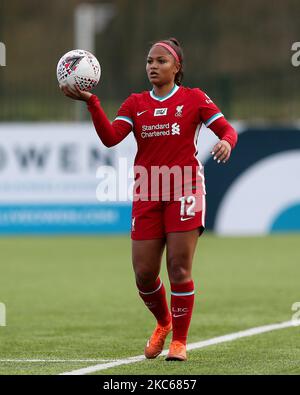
{"type": "Point", "coordinates": [155, 130]}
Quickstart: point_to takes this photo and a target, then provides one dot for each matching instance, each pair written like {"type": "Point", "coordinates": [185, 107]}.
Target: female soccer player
{"type": "Point", "coordinates": [166, 123]}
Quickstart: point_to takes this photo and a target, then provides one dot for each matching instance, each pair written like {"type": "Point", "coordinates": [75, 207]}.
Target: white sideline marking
{"type": "Point", "coordinates": [57, 360]}
{"type": "Point", "coordinates": [192, 346]}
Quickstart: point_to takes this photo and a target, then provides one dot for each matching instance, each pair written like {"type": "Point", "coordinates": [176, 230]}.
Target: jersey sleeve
{"type": "Point", "coordinates": [209, 112]}
{"type": "Point", "coordinates": [111, 133]}
{"type": "Point", "coordinates": [126, 112]}
{"type": "Point", "coordinates": [213, 118]}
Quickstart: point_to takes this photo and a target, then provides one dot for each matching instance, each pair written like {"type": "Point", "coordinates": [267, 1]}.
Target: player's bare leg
{"type": "Point", "coordinates": [180, 252]}
{"type": "Point", "coordinates": [146, 258]}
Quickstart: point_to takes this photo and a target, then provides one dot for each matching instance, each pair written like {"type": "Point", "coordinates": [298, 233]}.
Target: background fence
{"type": "Point", "coordinates": [239, 52]}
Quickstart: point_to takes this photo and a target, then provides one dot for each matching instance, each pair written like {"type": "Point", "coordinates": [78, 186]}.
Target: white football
{"type": "Point", "coordinates": [78, 67]}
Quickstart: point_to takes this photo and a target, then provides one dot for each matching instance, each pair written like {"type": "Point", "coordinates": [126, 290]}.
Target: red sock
{"type": "Point", "coordinates": [154, 297]}
{"type": "Point", "coordinates": [182, 302]}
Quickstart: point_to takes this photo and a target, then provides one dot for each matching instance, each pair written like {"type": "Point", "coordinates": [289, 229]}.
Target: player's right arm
{"type": "Point", "coordinates": [109, 133]}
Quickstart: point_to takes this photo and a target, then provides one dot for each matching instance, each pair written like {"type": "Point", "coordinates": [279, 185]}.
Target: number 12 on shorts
{"type": "Point", "coordinates": [187, 210]}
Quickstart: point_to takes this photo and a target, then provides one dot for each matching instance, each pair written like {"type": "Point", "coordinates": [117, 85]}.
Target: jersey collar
{"type": "Point", "coordinates": [163, 98]}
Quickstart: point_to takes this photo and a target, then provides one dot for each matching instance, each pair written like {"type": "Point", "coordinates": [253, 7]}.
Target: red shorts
{"type": "Point", "coordinates": [153, 220]}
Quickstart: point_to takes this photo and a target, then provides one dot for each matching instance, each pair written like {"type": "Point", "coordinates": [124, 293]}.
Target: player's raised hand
{"type": "Point", "coordinates": [76, 93]}
{"type": "Point", "coordinates": [221, 151]}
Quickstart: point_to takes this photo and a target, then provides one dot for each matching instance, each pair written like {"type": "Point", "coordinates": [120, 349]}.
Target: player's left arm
{"type": "Point", "coordinates": [212, 117]}
{"type": "Point", "coordinates": [228, 139]}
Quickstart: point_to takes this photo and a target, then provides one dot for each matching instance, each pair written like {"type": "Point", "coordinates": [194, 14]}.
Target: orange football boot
{"type": "Point", "coordinates": [177, 351]}
{"type": "Point", "coordinates": [156, 342]}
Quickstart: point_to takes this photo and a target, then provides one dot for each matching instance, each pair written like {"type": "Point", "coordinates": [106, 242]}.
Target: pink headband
{"type": "Point", "coordinates": [169, 48]}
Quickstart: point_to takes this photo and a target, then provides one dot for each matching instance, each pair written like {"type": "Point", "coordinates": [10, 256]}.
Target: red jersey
{"type": "Point", "coordinates": [166, 130]}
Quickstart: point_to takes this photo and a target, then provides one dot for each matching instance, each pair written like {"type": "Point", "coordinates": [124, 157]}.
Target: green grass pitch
{"type": "Point", "coordinates": [75, 298]}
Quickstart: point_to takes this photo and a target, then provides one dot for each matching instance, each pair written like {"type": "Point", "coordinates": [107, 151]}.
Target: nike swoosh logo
{"type": "Point", "coordinates": [140, 113]}
{"type": "Point", "coordinates": [178, 315]}
{"type": "Point", "coordinates": [185, 219]}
